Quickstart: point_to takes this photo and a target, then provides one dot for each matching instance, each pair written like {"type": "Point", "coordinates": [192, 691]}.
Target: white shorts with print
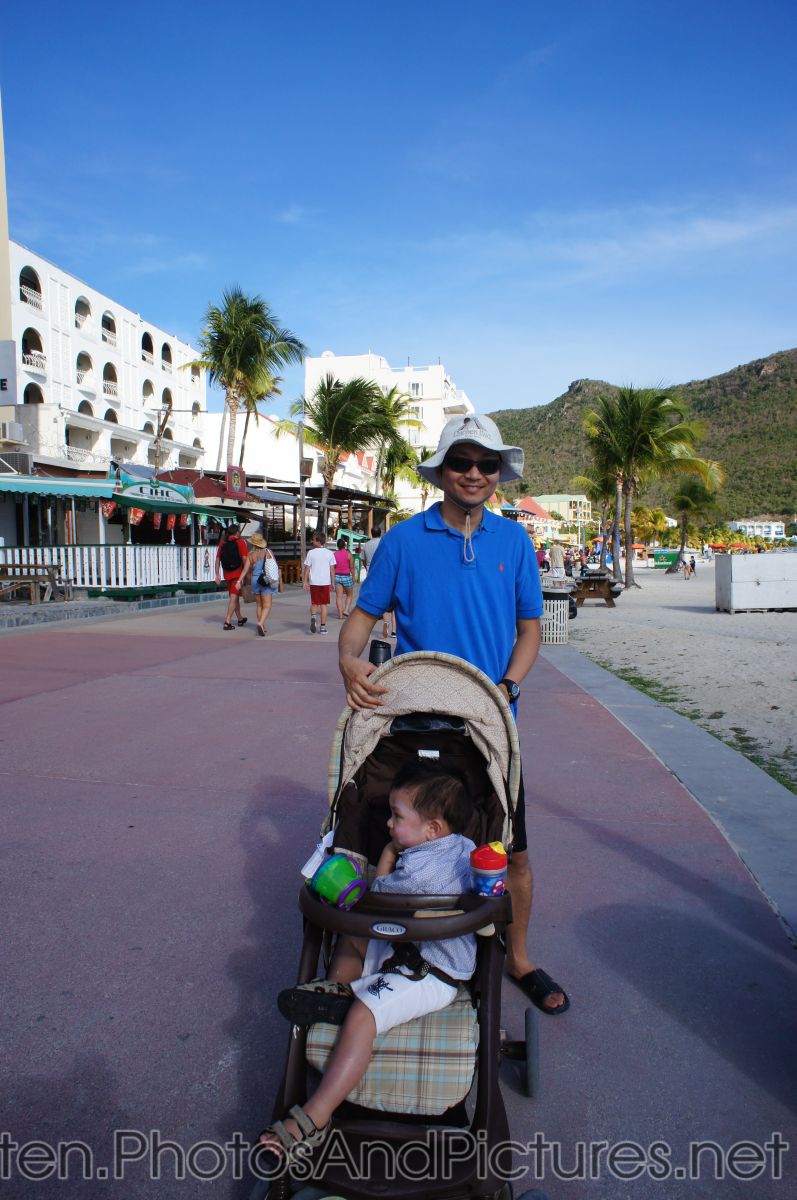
{"type": "Point", "coordinates": [393, 998]}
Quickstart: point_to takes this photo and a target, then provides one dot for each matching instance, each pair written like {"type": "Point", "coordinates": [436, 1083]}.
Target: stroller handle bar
{"type": "Point", "coordinates": [386, 917]}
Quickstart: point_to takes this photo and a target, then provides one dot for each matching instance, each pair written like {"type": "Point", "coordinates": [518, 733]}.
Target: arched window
{"type": "Point", "coordinates": [195, 373]}
{"type": "Point", "coordinates": [166, 357]}
{"type": "Point", "coordinates": [30, 288]}
{"type": "Point", "coordinates": [166, 398]}
{"type": "Point", "coordinates": [85, 408]}
{"type": "Point", "coordinates": [148, 427]}
{"type": "Point", "coordinates": [33, 394]}
{"type": "Point", "coordinates": [197, 444]}
{"type": "Point", "coordinates": [33, 356]}
{"type": "Point", "coordinates": [85, 372]}
{"type": "Point", "coordinates": [109, 328]}
{"type": "Point", "coordinates": [147, 349]}
{"type": "Point", "coordinates": [111, 416]}
{"type": "Point", "coordinates": [82, 312]}
{"type": "Point", "coordinates": [196, 409]}
{"type": "Point", "coordinates": [167, 433]}
{"type": "Point", "coordinates": [110, 382]}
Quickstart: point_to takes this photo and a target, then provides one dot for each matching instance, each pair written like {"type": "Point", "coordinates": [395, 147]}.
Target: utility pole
{"type": "Point", "coordinates": [167, 412]}
{"type": "Point", "coordinates": [302, 502]}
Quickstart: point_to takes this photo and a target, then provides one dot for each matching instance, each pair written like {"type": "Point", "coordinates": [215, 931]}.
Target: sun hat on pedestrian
{"type": "Point", "coordinates": [481, 431]}
{"type": "Point", "coordinates": [258, 541]}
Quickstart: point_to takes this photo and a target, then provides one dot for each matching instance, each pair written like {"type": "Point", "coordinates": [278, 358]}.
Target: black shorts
{"type": "Point", "coordinates": [521, 841]}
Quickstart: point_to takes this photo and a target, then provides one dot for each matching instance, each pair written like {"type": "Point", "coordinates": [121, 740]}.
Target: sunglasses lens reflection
{"type": "Point", "coordinates": [487, 466]}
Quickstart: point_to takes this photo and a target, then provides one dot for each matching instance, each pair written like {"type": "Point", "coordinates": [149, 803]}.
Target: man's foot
{"type": "Point", "coordinates": [547, 995]}
{"type": "Point", "coordinates": [323, 629]}
{"type": "Point", "coordinates": [312, 625]}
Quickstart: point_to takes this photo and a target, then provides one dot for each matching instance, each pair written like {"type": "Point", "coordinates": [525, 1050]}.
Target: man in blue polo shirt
{"type": "Point", "coordinates": [463, 581]}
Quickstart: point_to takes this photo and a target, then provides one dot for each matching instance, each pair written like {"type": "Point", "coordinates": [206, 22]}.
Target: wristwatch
{"type": "Point", "coordinates": [512, 687]}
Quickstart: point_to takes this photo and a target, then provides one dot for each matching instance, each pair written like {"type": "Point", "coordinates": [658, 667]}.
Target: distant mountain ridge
{"type": "Point", "coordinates": [750, 414]}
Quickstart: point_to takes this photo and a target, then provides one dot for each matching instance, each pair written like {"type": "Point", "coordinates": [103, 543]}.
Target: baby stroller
{"type": "Point", "coordinates": [437, 707]}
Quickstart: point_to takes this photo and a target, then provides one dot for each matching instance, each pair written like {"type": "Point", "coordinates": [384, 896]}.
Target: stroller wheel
{"type": "Point", "coordinates": [532, 1073]}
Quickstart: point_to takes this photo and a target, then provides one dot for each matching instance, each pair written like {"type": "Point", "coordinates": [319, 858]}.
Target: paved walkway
{"type": "Point", "coordinates": [162, 782]}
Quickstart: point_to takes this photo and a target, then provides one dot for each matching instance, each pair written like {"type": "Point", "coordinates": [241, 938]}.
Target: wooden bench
{"type": "Point", "coordinates": [596, 587]}
{"type": "Point", "coordinates": [33, 577]}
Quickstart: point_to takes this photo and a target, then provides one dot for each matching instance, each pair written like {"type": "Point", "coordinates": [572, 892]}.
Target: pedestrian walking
{"type": "Point", "coordinates": [344, 578]}
{"type": "Point", "coordinates": [230, 559]}
{"type": "Point", "coordinates": [319, 580]}
{"type": "Point", "coordinates": [265, 579]}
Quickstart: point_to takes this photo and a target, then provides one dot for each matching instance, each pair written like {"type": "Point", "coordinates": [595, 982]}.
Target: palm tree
{"type": "Point", "coordinates": [240, 339]}
{"type": "Point", "coordinates": [340, 418]}
{"type": "Point", "coordinates": [642, 434]}
{"type": "Point", "coordinates": [599, 489]}
{"type": "Point", "coordinates": [258, 389]}
{"type": "Point", "coordinates": [399, 462]}
{"type": "Point", "coordinates": [693, 501]}
{"type": "Point", "coordinates": [399, 411]}
{"type": "Point", "coordinates": [424, 454]}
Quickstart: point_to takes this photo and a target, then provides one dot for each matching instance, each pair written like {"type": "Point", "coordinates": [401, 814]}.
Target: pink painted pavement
{"type": "Point", "coordinates": [163, 780]}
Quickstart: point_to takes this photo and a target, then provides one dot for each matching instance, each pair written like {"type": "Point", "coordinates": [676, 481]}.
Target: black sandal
{"type": "Point", "coordinates": [227, 625]}
{"type": "Point", "coordinates": [538, 986]}
{"type": "Point", "coordinates": [242, 621]}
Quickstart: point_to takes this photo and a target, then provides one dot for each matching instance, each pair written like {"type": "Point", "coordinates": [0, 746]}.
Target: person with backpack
{"type": "Point", "coordinates": [265, 579]}
{"type": "Point", "coordinates": [230, 558]}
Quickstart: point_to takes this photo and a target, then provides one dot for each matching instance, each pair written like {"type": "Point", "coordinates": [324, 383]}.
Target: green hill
{"type": "Point", "coordinates": [750, 415]}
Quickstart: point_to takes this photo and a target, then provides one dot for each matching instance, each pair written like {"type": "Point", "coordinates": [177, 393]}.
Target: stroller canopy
{"type": "Point", "coordinates": [430, 682]}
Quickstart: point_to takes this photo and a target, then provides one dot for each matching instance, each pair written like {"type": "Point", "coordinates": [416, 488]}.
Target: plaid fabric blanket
{"type": "Point", "coordinates": [423, 1066]}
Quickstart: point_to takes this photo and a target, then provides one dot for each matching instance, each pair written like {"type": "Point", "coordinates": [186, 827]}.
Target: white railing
{"type": "Point", "coordinates": [148, 358]}
{"type": "Point", "coordinates": [79, 454]}
{"type": "Point", "coordinates": [119, 568]}
{"type": "Point", "coordinates": [166, 366]}
{"type": "Point", "coordinates": [80, 319]}
{"type": "Point", "coordinates": [109, 388]}
{"type": "Point", "coordinates": [35, 361]}
{"type": "Point", "coordinates": [108, 336]}
{"type": "Point", "coordinates": [86, 380]}
{"type": "Point", "coordinates": [31, 296]}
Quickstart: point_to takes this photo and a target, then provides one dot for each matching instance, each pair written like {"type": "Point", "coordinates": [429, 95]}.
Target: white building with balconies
{"type": "Point", "coordinates": [95, 381]}
{"type": "Point", "coordinates": [434, 397]}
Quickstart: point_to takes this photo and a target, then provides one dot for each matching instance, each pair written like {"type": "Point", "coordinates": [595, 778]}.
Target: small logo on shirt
{"type": "Point", "coordinates": [501, 567]}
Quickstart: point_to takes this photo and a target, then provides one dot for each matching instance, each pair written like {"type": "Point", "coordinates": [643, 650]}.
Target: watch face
{"type": "Point", "coordinates": [512, 688]}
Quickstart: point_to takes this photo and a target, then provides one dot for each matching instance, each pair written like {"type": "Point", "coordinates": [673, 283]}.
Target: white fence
{"type": "Point", "coordinates": [117, 568]}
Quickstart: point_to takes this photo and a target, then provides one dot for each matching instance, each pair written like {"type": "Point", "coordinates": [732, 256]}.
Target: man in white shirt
{"type": "Point", "coordinates": [319, 579]}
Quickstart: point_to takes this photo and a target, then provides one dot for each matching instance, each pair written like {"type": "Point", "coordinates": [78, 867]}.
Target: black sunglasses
{"type": "Point", "coordinates": [460, 464]}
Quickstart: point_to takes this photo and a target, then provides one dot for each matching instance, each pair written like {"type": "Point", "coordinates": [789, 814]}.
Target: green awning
{"type": "Point", "coordinates": [40, 486]}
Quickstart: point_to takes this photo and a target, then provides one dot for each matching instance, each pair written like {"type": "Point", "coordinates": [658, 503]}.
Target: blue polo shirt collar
{"type": "Point", "coordinates": [434, 522]}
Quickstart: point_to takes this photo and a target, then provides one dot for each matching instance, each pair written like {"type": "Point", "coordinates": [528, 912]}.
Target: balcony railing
{"type": "Point", "coordinates": [75, 454]}
{"type": "Point", "coordinates": [80, 319]}
{"type": "Point", "coordinates": [166, 366]}
{"type": "Point", "coordinates": [31, 296]}
{"type": "Point", "coordinates": [108, 336]}
{"type": "Point", "coordinates": [148, 358]}
{"type": "Point", "coordinates": [35, 361]}
{"type": "Point", "coordinates": [86, 380]}
{"type": "Point", "coordinates": [109, 388]}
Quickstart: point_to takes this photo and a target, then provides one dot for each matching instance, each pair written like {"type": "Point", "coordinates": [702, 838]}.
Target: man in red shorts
{"type": "Point", "coordinates": [230, 558]}
{"type": "Point", "coordinates": [319, 580]}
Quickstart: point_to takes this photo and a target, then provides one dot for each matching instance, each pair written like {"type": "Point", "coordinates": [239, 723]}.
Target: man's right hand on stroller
{"type": "Point", "coordinates": [360, 692]}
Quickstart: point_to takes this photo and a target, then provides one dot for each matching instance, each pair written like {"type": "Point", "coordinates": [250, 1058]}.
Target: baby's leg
{"type": "Point", "coordinates": [346, 1066]}
{"type": "Point", "coordinates": [347, 961]}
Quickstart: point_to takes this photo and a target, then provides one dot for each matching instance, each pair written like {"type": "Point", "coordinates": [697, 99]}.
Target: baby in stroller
{"type": "Point", "coordinates": [373, 986]}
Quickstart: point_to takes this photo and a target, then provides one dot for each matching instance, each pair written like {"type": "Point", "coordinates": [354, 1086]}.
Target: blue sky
{"type": "Point", "coordinates": [530, 192]}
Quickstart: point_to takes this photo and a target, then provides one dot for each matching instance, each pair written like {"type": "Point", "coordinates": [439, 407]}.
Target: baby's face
{"type": "Point", "coordinates": [406, 826]}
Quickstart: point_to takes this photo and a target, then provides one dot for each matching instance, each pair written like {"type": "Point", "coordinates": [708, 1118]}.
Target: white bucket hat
{"type": "Point", "coordinates": [482, 432]}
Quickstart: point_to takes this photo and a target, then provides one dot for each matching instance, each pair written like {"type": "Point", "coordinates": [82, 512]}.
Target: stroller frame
{"type": "Point", "coordinates": [413, 919]}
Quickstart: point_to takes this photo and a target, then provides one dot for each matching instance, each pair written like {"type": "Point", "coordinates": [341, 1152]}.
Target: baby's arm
{"type": "Point", "coordinates": [387, 861]}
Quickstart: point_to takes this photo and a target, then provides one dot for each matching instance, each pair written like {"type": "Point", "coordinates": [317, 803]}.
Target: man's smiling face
{"type": "Point", "coordinates": [470, 474]}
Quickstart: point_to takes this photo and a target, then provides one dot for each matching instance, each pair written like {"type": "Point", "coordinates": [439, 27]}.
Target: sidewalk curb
{"type": "Point", "coordinates": [95, 610]}
{"type": "Point", "coordinates": [754, 812]}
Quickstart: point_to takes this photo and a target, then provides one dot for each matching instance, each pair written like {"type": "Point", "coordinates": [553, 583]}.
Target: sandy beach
{"type": "Point", "coordinates": [734, 675]}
